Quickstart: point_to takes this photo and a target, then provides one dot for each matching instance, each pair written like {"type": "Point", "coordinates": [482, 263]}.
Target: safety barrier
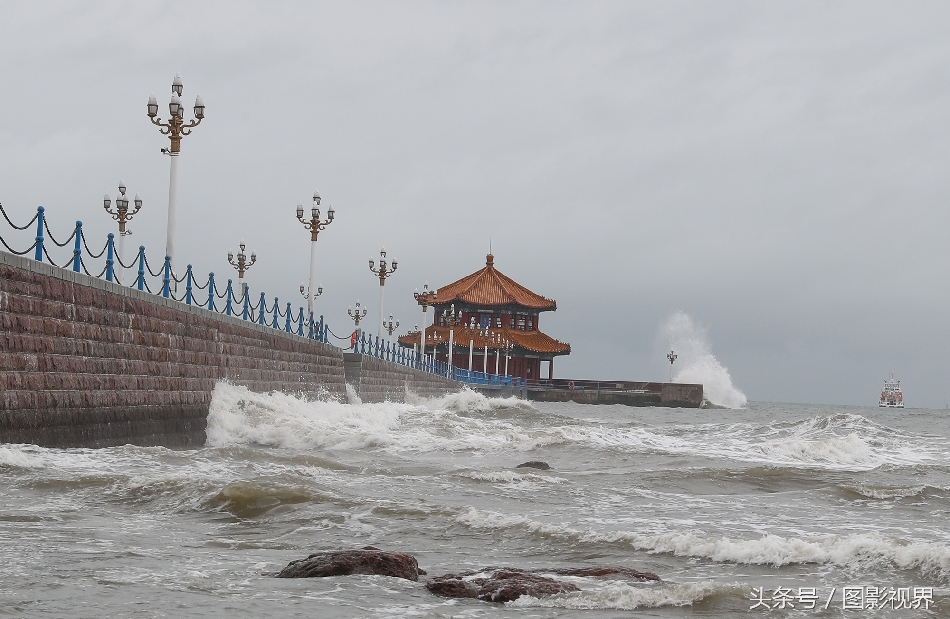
{"type": "Point", "coordinates": [380, 348]}
{"type": "Point", "coordinates": [228, 302]}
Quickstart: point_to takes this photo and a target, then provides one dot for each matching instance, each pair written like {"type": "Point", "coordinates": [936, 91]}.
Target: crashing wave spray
{"type": "Point", "coordinates": [698, 364]}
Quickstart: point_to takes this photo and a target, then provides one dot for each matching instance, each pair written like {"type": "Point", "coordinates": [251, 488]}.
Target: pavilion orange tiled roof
{"type": "Point", "coordinates": [535, 341]}
{"type": "Point", "coordinates": [489, 287]}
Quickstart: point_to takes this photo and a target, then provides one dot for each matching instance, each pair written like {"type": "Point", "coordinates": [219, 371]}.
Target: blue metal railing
{"type": "Point", "coordinates": [235, 304]}
{"type": "Point", "coordinates": [367, 344]}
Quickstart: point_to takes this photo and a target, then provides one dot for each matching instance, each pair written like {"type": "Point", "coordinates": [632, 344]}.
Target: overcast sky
{"type": "Point", "coordinates": [777, 171]}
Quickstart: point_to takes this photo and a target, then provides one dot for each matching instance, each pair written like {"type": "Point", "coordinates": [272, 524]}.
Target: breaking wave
{"type": "Point", "coordinates": [623, 596]}
{"type": "Point", "coordinates": [698, 364]}
{"type": "Point", "coordinates": [470, 421]}
{"type": "Point", "coordinates": [774, 550]}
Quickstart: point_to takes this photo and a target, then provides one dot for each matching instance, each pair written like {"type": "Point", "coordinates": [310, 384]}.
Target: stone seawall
{"type": "Point", "coordinates": [377, 381]}
{"type": "Point", "coordinates": [85, 362]}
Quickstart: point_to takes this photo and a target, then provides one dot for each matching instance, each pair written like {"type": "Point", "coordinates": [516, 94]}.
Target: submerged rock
{"type": "Point", "coordinates": [369, 560]}
{"type": "Point", "coordinates": [534, 464]}
{"type": "Point", "coordinates": [497, 585]}
{"type": "Point", "coordinates": [504, 584]}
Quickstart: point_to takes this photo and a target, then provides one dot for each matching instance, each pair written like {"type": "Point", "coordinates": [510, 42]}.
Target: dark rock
{"type": "Point", "coordinates": [369, 560]}
{"type": "Point", "coordinates": [620, 573]}
{"type": "Point", "coordinates": [534, 464]}
{"type": "Point", "coordinates": [501, 585]}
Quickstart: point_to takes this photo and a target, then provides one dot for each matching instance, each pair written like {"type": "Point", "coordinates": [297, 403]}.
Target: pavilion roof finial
{"type": "Point", "coordinates": [489, 260]}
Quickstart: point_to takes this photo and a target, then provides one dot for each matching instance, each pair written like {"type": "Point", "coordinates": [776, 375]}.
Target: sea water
{"type": "Point", "coordinates": [730, 507]}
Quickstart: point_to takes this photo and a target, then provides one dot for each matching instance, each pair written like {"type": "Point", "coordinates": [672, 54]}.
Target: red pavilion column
{"type": "Point", "coordinates": [551, 369]}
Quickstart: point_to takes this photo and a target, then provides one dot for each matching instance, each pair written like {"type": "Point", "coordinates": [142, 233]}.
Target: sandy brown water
{"type": "Point", "coordinates": [717, 502]}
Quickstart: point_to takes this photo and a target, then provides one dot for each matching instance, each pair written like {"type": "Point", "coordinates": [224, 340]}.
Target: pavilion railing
{"type": "Point", "coordinates": [381, 348]}
{"type": "Point", "coordinates": [200, 292]}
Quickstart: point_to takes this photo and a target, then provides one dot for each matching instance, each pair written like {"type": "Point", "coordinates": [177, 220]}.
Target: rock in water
{"type": "Point", "coordinates": [497, 585]}
{"type": "Point", "coordinates": [534, 464]}
{"type": "Point", "coordinates": [345, 562]}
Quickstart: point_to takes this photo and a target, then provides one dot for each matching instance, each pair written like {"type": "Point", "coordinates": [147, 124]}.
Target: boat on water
{"type": "Point", "coordinates": [891, 395]}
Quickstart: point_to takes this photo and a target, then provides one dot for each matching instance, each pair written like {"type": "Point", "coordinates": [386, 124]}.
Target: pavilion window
{"type": "Point", "coordinates": [498, 322]}
{"type": "Point", "coordinates": [521, 323]}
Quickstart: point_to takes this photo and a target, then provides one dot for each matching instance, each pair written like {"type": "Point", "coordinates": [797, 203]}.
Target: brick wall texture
{"type": "Point", "coordinates": [84, 362]}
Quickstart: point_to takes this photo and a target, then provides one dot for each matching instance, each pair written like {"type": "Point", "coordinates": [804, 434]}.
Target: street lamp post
{"type": "Point", "coordinates": [390, 326]}
{"type": "Point", "coordinates": [357, 315]}
{"type": "Point", "coordinates": [452, 319]}
{"type": "Point", "coordinates": [434, 339]}
{"type": "Point", "coordinates": [306, 294]}
{"type": "Point", "coordinates": [122, 214]}
{"type": "Point", "coordinates": [672, 357]}
{"type": "Point", "coordinates": [314, 226]}
{"type": "Point", "coordinates": [382, 272]}
{"type": "Point", "coordinates": [507, 346]}
{"type": "Point", "coordinates": [242, 264]}
{"type": "Point", "coordinates": [175, 129]}
{"type": "Point", "coordinates": [425, 298]}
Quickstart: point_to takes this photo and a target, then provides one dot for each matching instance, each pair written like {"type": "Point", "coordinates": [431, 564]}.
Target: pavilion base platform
{"type": "Point", "coordinates": [672, 395]}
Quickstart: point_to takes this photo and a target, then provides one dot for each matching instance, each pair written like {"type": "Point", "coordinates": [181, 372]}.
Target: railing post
{"type": "Point", "coordinates": [166, 277]}
{"type": "Point", "coordinates": [261, 311]}
{"type": "Point", "coordinates": [274, 324]}
{"type": "Point", "coordinates": [227, 304]}
{"type": "Point", "coordinates": [377, 347]}
{"type": "Point", "coordinates": [140, 282]}
{"type": "Point", "coordinates": [77, 251]}
{"type": "Point", "coordinates": [362, 344]}
{"type": "Point", "coordinates": [109, 257]}
{"type": "Point", "coordinates": [247, 305]}
{"type": "Point", "coordinates": [40, 218]}
{"type": "Point", "coordinates": [323, 330]}
{"type": "Point", "coordinates": [310, 328]}
{"type": "Point", "coordinates": [188, 286]}
{"type": "Point", "coordinates": [211, 291]}
{"type": "Point", "coordinates": [300, 323]}
{"type": "Point", "coordinates": [289, 316]}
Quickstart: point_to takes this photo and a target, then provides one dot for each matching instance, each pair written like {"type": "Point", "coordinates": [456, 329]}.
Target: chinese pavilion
{"type": "Point", "coordinates": [495, 312]}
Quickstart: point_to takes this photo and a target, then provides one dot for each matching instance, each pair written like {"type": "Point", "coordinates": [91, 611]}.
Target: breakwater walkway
{"type": "Point", "coordinates": [90, 362]}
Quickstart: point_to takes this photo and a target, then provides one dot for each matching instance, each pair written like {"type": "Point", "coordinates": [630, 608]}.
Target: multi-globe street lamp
{"type": "Point", "coordinates": [242, 264]}
{"type": "Point", "coordinates": [314, 225]}
{"type": "Point", "coordinates": [122, 214]}
{"type": "Point", "coordinates": [383, 272]}
{"type": "Point", "coordinates": [357, 315]}
{"type": "Point", "coordinates": [175, 129]}
{"type": "Point", "coordinates": [425, 299]}
{"type": "Point", "coordinates": [672, 357]}
{"type": "Point", "coordinates": [310, 296]}
{"type": "Point", "coordinates": [452, 319]}
{"type": "Point", "coordinates": [390, 326]}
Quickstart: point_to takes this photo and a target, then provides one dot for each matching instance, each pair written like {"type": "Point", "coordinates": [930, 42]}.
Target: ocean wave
{"type": "Point", "coordinates": [624, 596]}
{"type": "Point", "coordinates": [886, 492]}
{"type": "Point", "coordinates": [470, 421]}
{"type": "Point", "coordinates": [19, 456]}
{"type": "Point", "coordinates": [239, 416]}
{"type": "Point", "coordinates": [775, 550]}
{"type": "Point", "coordinates": [511, 477]}
{"type": "Point", "coordinates": [470, 401]}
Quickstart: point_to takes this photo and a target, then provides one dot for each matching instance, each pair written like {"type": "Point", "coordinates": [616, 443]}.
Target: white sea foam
{"type": "Point", "coordinates": [467, 421]}
{"type": "Point", "coordinates": [14, 455]}
{"type": "Point", "coordinates": [697, 364]}
{"type": "Point", "coordinates": [511, 477]}
{"type": "Point", "coordinates": [624, 596]}
{"type": "Point", "coordinates": [877, 492]}
{"type": "Point", "coordinates": [775, 550]}
{"type": "Point", "coordinates": [240, 416]}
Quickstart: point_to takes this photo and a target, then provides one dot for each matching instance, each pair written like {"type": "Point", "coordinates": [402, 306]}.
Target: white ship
{"type": "Point", "coordinates": [891, 395]}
